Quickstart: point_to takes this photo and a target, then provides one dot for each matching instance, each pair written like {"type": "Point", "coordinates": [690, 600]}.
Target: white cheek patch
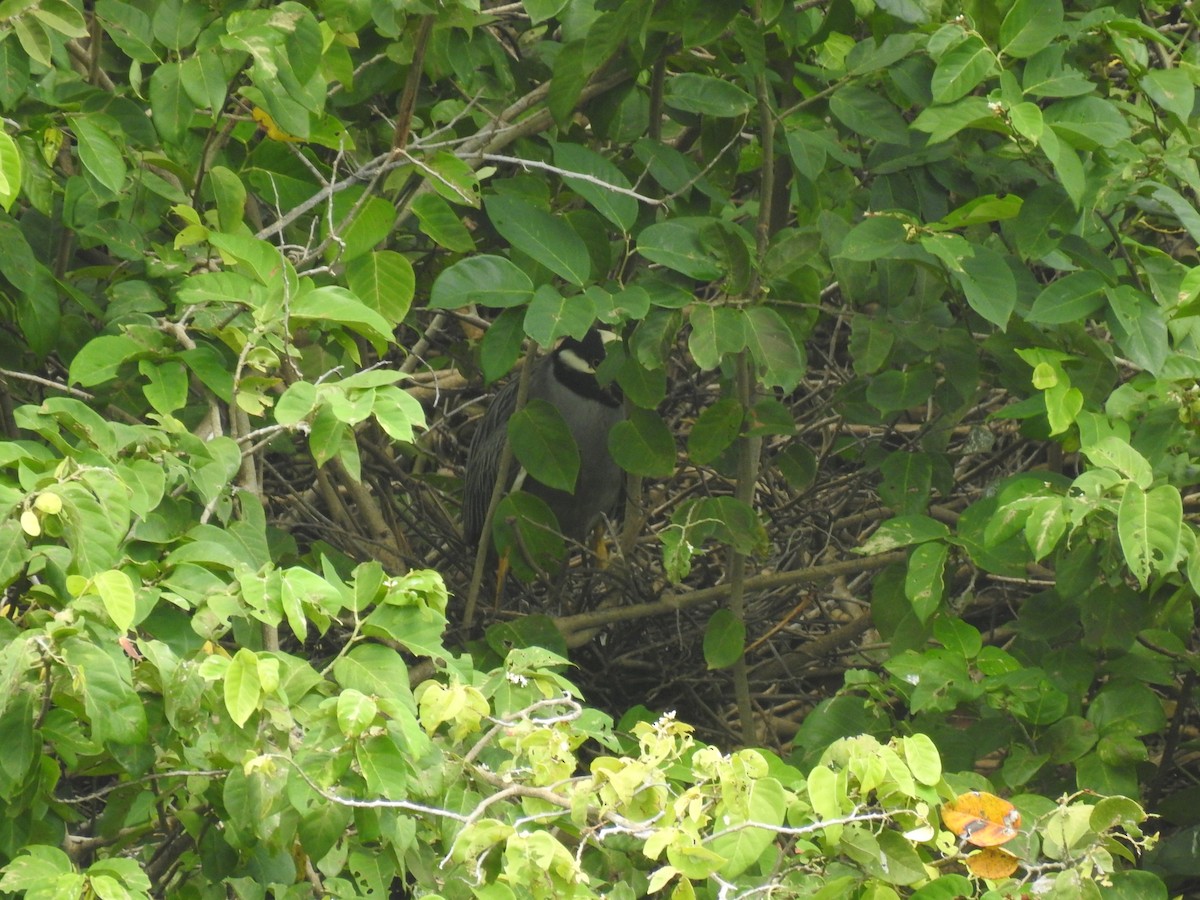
{"type": "Point", "coordinates": [573, 360]}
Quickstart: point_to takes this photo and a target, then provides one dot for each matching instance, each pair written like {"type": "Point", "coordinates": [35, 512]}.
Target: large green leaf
{"type": "Point", "coordinates": [643, 445]}
{"type": "Point", "coordinates": [488, 280]}
{"type": "Point", "coordinates": [540, 235]}
{"type": "Point", "coordinates": [715, 430]}
{"type": "Point", "coordinates": [961, 70]}
{"type": "Point", "coordinates": [1149, 525]}
{"type": "Point", "coordinates": [680, 244]}
{"type": "Point", "coordinates": [113, 708]}
{"type": "Point", "coordinates": [724, 640]}
{"type": "Point", "coordinates": [337, 305]}
{"type": "Point", "coordinates": [442, 225]}
{"type": "Point", "coordinates": [778, 355]}
{"type": "Point", "coordinates": [1071, 298]}
{"type": "Point", "coordinates": [1030, 26]}
{"type": "Point", "coordinates": [597, 174]}
{"type": "Point", "coordinates": [706, 95]}
{"type": "Point", "coordinates": [551, 315]}
{"type": "Point", "coordinates": [542, 443]}
{"type": "Point", "coordinates": [1138, 326]}
{"type": "Point", "coordinates": [384, 280]}
{"type": "Point", "coordinates": [99, 153]}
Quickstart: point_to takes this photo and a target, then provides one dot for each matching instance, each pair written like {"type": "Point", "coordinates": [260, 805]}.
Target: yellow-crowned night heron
{"type": "Point", "coordinates": [566, 378]}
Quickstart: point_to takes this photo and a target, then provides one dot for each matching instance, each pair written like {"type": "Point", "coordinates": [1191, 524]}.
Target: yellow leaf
{"type": "Point", "coordinates": [274, 132]}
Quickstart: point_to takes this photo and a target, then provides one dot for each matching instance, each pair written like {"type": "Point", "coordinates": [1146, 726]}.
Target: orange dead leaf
{"type": "Point", "coordinates": [982, 819]}
{"type": "Point", "coordinates": [992, 862]}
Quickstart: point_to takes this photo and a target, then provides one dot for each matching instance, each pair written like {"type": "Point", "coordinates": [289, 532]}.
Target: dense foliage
{"type": "Point", "coordinates": [908, 315]}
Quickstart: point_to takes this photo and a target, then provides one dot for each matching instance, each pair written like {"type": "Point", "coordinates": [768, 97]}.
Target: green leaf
{"type": "Point", "coordinates": [1126, 707]}
{"type": "Point", "coordinates": [113, 708]}
{"type": "Point", "coordinates": [742, 848]}
{"type": "Point", "coordinates": [989, 285]}
{"type": "Point", "coordinates": [501, 344]}
{"type": "Point", "coordinates": [398, 413]}
{"type": "Point", "coordinates": [1149, 525]}
{"type": "Point", "coordinates": [1071, 298]}
{"type": "Point", "coordinates": [798, 465]}
{"type": "Point", "coordinates": [988, 208]}
{"type": "Point", "coordinates": [620, 209]}
{"type": "Point", "coordinates": [177, 23]}
{"type": "Point", "coordinates": [962, 69]}
{"type": "Point", "coordinates": [943, 122]}
{"type": "Point", "coordinates": [903, 531]}
{"type": "Point", "coordinates": [724, 640]}
{"type": "Point", "coordinates": [203, 79]}
{"type": "Point", "coordinates": [869, 113]}
{"type": "Point", "coordinates": [1087, 123]}
{"type": "Point", "coordinates": [540, 236]}
{"type": "Point", "coordinates": [1029, 26]}
{"type": "Point", "coordinates": [34, 39]}
{"type": "Point", "coordinates": [875, 237]}
{"type": "Point", "coordinates": [925, 582]}
{"type": "Point", "coordinates": [542, 442]}
{"type": "Point", "coordinates": [1066, 165]}
{"type": "Point", "coordinates": [715, 430]}
{"type": "Point", "coordinates": [129, 28]}
{"type": "Point", "coordinates": [571, 73]}
{"type": "Point", "coordinates": [242, 690]}
{"type": "Point", "coordinates": [923, 759]}
{"type": "Point", "coordinates": [39, 867]}
{"type": "Point", "coordinates": [1117, 454]}
{"type": "Point", "coordinates": [524, 526]}
{"type": "Point", "coordinates": [99, 153]}
{"type": "Point", "coordinates": [384, 280]}
{"type": "Point", "coordinates": [1171, 89]}
{"type": "Point", "coordinates": [355, 712]}
{"type": "Point", "coordinates": [778, 355]}
{"type": "Point", "coordinates": [718, 332]}
{"type": "Point", "coordinates": [359, 225]}
{"type": "Point", "coordinates": [1047, 75]}
{"type": "Point", "coordinates": [1027, 120]}
{"type": "Point", "coordinates": [907, 482]}
{"type": "Point", "coordinates": [551, 315]}
{"type": "Point", "coordinates": [119, 598]}
{"type": "Point", "coordinates": [680, 244]}
{"type": "Point", "coordinates": [1063, 404]}
{"type": "Point", "coordinates": [102, 357]}
{"type": "Point", "coordinates": [14, 74]}
{"type": "Point", "coordinates": [893, 391]}
{"type": "Point", "coordinates": [1045, 526]}
{"type": "Point", "coordinates": [643, 445]}
{"type": "Point", "coordinates": [93, 533]}
{"type": "Point", "coordinates": [487, 280]}
{"type": "Point", "coordinates": [1183, 209]}
{"type": "Point", "coordinates": [336, 304]}
{"type": "Point", "coordinates": [375, 670]}
{"type": "Point", "coordinates": [541, 10]}
{"type": "Point", "coordinates": [1139, 327]}
{"type": "Point", "coordinates": [385, 767]}
{"type": "Point", "coordinates": [10, 171]}
{"type": "Point", "coordinates": [170, 109]}
{"type": "Point", "coordinates": [13, 556]}
{"type": "Point", "coordinates": [441, 224]}
{"type": "Point", "coordinates": [706, 95]}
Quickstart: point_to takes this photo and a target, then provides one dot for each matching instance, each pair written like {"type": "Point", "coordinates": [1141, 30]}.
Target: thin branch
{"type": "Point", "coordinates": [567, 173]}
{"type": "Point", "coordinates": [572, 626]}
